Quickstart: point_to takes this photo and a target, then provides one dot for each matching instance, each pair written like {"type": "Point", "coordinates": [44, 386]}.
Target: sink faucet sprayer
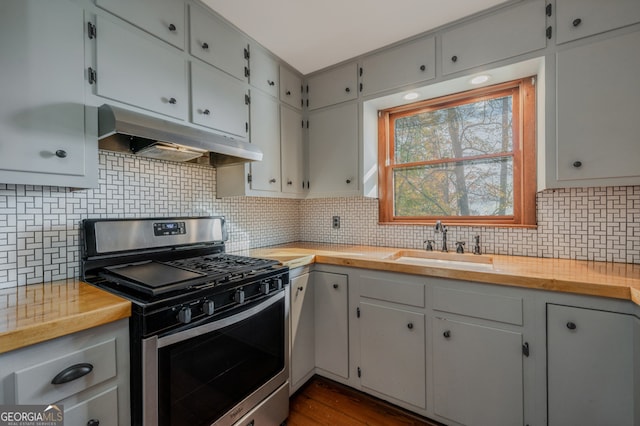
{"type": "Point", "coordinates": [442, 228]}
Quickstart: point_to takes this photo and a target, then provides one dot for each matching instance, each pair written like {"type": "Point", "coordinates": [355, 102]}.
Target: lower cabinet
{"type": "Point", "coordinates": [591, 367]}
{"type": "Point", "coordinates": [302, 360]}
{"type": "Point", "coordinates": [90, 368]}
{"type": "Point", "coordinates": [477, 373]}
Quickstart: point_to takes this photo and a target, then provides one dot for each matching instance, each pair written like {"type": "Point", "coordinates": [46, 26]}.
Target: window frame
{"type": "Point", "coordinates": [524, 154]}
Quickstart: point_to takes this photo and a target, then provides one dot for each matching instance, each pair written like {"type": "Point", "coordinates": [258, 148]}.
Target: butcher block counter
{"type": "Point", "coordinates": [38, 312]}
{"type": "Point", "coordinates": [614, 280]}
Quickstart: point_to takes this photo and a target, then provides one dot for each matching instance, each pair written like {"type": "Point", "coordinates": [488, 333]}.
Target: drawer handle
{"type": "Point", "coordinates": [172, 27]}
{"type": "Point", "coordinates": [571, 325]}
{"type": "Point", "coordinates": [447, 334]}
{"type": "Point", "coordinates": [72, 373]}
{"type": "Point", "coordinates": [576, 22]}
{"type": "Point", "coordinates": [61, 153]}
{"type": "Point", "coordinates": [577, 164]}
{"type": "Point", "coordinates": [93, 422]}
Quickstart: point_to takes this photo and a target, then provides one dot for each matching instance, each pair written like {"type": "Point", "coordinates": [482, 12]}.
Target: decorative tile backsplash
{"type": "Point", "coordinates": [40, 237]}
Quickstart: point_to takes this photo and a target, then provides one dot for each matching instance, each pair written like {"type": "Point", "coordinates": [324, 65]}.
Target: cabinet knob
{"type": "Point", "coordinates": [577, 164]}
{"type": "Point", "coordinates": [61, 153]}
{"type": "Point", "coordinates": [348, 180]}
{"type": "Point", "coordinates": [173, 101]}
{"type": "Point", "coordinates": [454, 58]}
{"type": "Point", "coordinates": [272, 180]}
{"type": "Point", "coordinates": [423, 67]}
{"type": "Point", "coordinates": [447, 334]}
{"type": "Point", "coordinates": [300, 288]}
{"type": "Point", "coordinates": [336, 286]}
{"type": "Point", "coordinates": [172, 27]}
{"type": "Point", "coordinates": [576, 22]}
{"type": "Point", "coordinates": [571, 325]}
{"type": "Point", "coordinates": [205, 45]}
{"type": "Point", "coordinates": [289, 182]}
{"type": "Point", "coordinates": [288, 93]}
{"type": "Point", "coordinates": [410, 326]}
{"type": "Point", "coordinates": [271, 82]}
{"type": "Point", "coordinates": [347, 90]}
{"type": "Point", "coordinates": [206, 112]}
{"type": "Point", "coordinates": [93, 422]}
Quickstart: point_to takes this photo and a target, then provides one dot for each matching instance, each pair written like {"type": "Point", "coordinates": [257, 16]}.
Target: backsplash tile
{"type": "Point", "coordinates": [40, 225]}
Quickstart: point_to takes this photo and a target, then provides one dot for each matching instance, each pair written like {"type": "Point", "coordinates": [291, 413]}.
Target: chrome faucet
{"type": "Point", "coordinates": [442, 228]}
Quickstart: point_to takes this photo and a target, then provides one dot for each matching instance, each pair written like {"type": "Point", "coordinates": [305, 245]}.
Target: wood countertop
{"type": "Point", "coordinates": [38, 312]}
{"type": "Point", "coordinates": [615, 280]}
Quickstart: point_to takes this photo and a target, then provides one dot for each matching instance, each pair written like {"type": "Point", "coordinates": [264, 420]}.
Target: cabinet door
{"type": "Point", "coordinates": [263, 71]}
{"type": "Point", "coordinates": [217, 43]}
{"type": "Point", "coordinates": [511, 32]}
{"type": "Point", "coordinates": [100, 408]}
{"type": "Point", "coordinates": [392, 352]}
{"type": "Point", "coordinates": [406, 64]}
{"type": "Point", "coordinates": [162, 18]}
{"type": "Point", "coordinates": [331, 323]}
{"type": "Point", "coordinates": [219, 101]}
{"type": "Point", "coordinates": [265, 133]}
{"type": "Point", "coordinates": [333, 86]}
{"type": "Point", "coordinates": [290, 88]}
{"type": "Point", "coordinates": [477, 374]}
{"type": "Point", "coordinates": [292, 151]}
{"type": "Point", "coordinates": [302, 329]}
{"type": "Point", "coordinates": [136, 70]}
{"type": "Point", "coordinates": [581, 18]}
{"type": "Point", "coordinates": [333, 151]}
{"type": "Point", "coordinates": [597, 111]}
{"type": "Point", "coordinates": [42, 116]}
{"type": "Point", "coordinates": [589, 367]}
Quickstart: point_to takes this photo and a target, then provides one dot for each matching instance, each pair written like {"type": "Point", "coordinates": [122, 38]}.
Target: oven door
{"type": "Point", "coordinates": [216, 372]}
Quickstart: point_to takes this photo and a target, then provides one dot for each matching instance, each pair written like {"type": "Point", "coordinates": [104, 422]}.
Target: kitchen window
{"type": "Point", "coordinates": [468, 158]}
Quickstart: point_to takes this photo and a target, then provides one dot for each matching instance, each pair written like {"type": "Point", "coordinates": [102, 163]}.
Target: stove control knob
{"type": "Point", "coordinates": [264, 287]}
{"type": "Point", "coordinates": [239, 296]}
{"type": "Point", "coordinates": [184, 315]}
{"type": "Point", "coordinates": [208, 307]}
{"type": "Point", "coordinates": [277, 283]}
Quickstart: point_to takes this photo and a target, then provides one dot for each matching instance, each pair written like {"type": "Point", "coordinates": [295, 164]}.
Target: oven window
{"type": "Point", "coordinates": [202, 378]}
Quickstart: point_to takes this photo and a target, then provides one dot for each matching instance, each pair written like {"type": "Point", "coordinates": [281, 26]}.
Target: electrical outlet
{"type": "Point", "coordinates": [336, 222]}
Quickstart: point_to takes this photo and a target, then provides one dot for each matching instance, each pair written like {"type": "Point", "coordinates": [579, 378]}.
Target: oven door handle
{"type": "Point", "coordinates": [218, 324]}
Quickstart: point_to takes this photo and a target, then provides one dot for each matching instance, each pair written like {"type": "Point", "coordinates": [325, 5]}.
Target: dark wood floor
{"type": "Point", "coordinates": [324, 402]}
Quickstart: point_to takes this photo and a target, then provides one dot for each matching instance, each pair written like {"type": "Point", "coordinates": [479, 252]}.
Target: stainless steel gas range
{"type": "Point", "coordinates": [208, 332]}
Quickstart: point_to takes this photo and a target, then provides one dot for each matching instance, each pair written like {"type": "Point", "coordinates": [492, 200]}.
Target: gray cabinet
{"type": "Point", "coordinates": [290, 88]}
{"type": "Point", "coordinates": [134, 69]}
{"type": "Point", "coordinates": [405, 64]}
{"type": "Point", "coordinates": [333, 86]}
{"type": "Point", "coordinates": [102, 394]}
{"type": "Point", "coordinates": [43, 136]}
{"type": "Point", "coordinates": [510, 32]}
{"type": "Point", "coordinates": [216, 42]}
{"type": "Point", "coordinates": [581, 18]}
{"type": "Point", "coordinates": [263, 71]}
{"type": "Point", "coordinates": [597, 98]}
{"type": "Point", "coordinates": [302, 362]}
{"type": "Point", "coordinates": [331, 323]}
{"type": "Point", "coordinates": [164, 19]}
{"type": "Point", "coordinates": [333, 151]}
{"type": "Point", "coordinates": [265, 134]}
{"type": "Point", "coordinates": [292, 151]}
{"type": "Point", "coordinates": [590, 367]}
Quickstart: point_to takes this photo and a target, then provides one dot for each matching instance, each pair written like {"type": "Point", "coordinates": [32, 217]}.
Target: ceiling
{"type": "Point", "coordinates": [313, 34]}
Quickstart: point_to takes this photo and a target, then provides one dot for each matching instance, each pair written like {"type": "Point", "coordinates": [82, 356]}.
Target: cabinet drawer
{"type": "Point", "coordinates": [492, 307]}
{"type": "Point", "coordinates": [102, 407]}
{"type": "Point", "coordinates": [404, 292]}
{"type": "Point", "coordinates": [33, 384]}
{"type": "Point", "coordinates": [290, 88]}
{"type": "Point", "coordinates": [334, 86]}
{"type": "Point", "coordinates": [582, 18]}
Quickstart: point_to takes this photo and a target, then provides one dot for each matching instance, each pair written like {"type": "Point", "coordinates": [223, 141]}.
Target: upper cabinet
{"type": "Point", "coordinates": [265, 134]}
{"type": "Point", "coordinates": [292, 150]}
{"type": "Point", "coordinates": [510, 32]}
{"type": "Point", "coordinates": [163, 18]}
{"type": "Point", "coordinates": [134, 69]}
{"type": "Point", "coordinates": [596, 131]}
{"type": "Point", "coordinates": [581, 18]}
{"type": "Point", "coordinates": [43, 140]}
{"type": "Point", "coordinates": [290, 88]}
{"type": "Point", "coordinates": [216, 42]}
{"type": "Point", "coordinates": [333, 86]}
{"type": "Point", "coordinates": [263, 70]}
{"type": "Point", "coordinates": [408, 63]}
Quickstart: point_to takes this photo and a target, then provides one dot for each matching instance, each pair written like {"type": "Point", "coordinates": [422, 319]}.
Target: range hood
{"type": "Point", "coordinates": [156, 138]}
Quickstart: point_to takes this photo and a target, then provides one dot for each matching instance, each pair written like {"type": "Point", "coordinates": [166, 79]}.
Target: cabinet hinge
{"type": "Point", "coordinates": [359, 372]}
{"type": "Point", "coordinates": [358, 312]}
{"type": "Point", "coordinates": [246, 127]}
{"type": "Point", "coordinates": [307, 124]}
{"type": "Point", "coordinates": [249, 178]}
{"type": "Point", "coordinates": [525, 349]}
{"type": "Point", "coordinates": [307, 88]}
{"type": "Point", "coordinates": [361, 87]}
{"type": "Point", "coordinates": [302, 122]}
{"type": "Point", "coordinates": [91, 31]}
{"type": "Point", "coordinates": [549, 32]}
{"type": "Point", "coordinates": [246, 53]}
{"type": "Point", "coordinates": [246, 72]}
{"type": "Point", "coordinates": [308, 184]}
{"type": "Point", "coordinates": [247, 99]}
{"type": "Point", "coordinates": [92, 75]}
{"type": "Point", "coordinates": [307, 103]}
{"type": "Point", "coordinates": [548, 10]}
{"type": "Point", "coordinates": [360, 71]}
